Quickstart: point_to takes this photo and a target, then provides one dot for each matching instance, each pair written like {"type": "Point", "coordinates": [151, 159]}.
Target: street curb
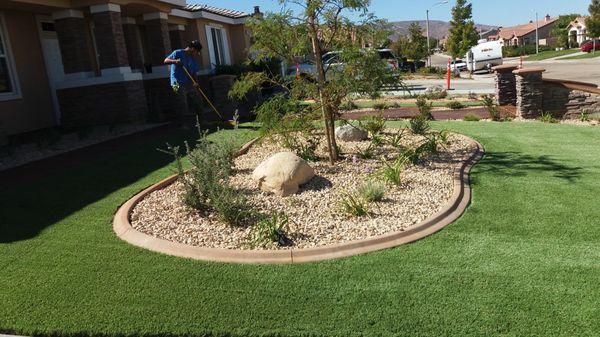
{"type": "Point", "coordinates": [460, 200]}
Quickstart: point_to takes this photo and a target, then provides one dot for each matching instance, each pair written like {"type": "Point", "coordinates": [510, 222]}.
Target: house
{"type": "Point", "coordinates": [577, 30]}
{"type": "Point", "coordinates": [525, 34]}
{"type": "Point", "coordinates": [76, 63]}
{"type": "Point", "coordinates": [485, 35]}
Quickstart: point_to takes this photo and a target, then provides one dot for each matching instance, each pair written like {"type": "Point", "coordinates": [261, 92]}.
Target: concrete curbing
{"type": "Point", "coordinates": [459, 202]}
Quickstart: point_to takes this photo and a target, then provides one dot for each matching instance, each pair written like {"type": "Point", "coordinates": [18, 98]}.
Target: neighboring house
{"type": "Point", "coordinates": [485, 35]}
{"type": "Point", "coordinates": [81, 62]}
{"type": "Point", "coordinates": [525, 34]}
{"type": "Point", "coordinates": [577, 30]}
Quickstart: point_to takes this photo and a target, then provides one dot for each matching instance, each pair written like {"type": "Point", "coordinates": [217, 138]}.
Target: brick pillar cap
{"type": "Point", "coordinates": [505, 68]}
{"type": "Point", "coordinates": [525, 71]}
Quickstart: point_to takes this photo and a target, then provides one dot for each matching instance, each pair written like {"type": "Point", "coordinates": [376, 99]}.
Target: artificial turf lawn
{"type": "Point", "coordinates": [523, 260]}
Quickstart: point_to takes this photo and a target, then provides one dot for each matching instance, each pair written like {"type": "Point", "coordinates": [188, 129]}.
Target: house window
{"type": "Point", "coordinates": [218, 46]}
{"type": "Point", "coordinates": [8, 80]}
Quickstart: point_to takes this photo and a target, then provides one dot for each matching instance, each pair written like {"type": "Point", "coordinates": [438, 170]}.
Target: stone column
{"type": "Point", "coordinates": [132, 42]}
{"type": "Point", "coordinates": [157, 31]}
{"type": "Point", "coordinates": [177, 35]}
{"type": "Point", "coordinates": [530, 98]}
{"type": "Point", "coordinates": [71, 29]}
{"type": "Point", "coordinates": [110, 40]}
{"type": "Point", "coordinates": [506, 84]}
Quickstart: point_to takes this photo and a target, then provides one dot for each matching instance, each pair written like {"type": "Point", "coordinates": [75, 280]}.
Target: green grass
{"type": "Point", "coordinates": [583, 57]}
{"type": "Point", "coordinates": [551, 54]}
{"type": "Point", "coordinates": [524, 260]}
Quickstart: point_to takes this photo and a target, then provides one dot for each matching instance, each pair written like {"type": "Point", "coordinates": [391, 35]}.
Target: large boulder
{"type": "Point", "coordinates": [282, 174]}
{"type": "Point", "coordinates": [349, 133]}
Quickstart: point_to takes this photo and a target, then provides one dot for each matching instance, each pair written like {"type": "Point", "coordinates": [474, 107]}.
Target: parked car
{"type": "Point", "coordinates": [458, 65]}
{"type": "Point", "coordinates": [332, 60]}
{"type": "Point", "coordinates": [588, 46]}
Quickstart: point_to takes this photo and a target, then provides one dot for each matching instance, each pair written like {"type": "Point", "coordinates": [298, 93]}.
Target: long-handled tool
{"type": "Point", "coordinates": [197, 86]}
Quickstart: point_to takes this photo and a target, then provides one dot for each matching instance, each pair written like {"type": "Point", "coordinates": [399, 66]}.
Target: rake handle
{"type": "Point", "coordinates": [197, 86]}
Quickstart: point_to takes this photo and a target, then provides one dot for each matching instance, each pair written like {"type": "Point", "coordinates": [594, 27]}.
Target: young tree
{"type": "Point", "coordinates": [463, 34]}
{"type": "Point", "coordinates": [560, 31]}
{"type": "Point", "coordinates": [413, 47]}
{"type": "Point", "coordinates": [593, 21]}
{"type": "Point", "coordinates": [316, 27]}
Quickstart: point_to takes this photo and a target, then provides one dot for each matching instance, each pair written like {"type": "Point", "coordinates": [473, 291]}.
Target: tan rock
{"type": "Point", "coordinates": [282, 174]}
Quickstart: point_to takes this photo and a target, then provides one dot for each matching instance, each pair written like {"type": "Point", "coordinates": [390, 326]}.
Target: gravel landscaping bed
{"type": "Point", "coordinates": [315, 216]}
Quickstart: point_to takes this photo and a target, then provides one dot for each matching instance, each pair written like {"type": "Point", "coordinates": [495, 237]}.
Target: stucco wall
{"type": "Point", "coordinates": [235, 36]}
{"type": "Point", "coordinates": [34, 110]}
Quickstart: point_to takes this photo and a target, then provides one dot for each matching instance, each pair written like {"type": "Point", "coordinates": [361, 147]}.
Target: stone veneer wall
{"type": "Point", "coordinates": [122, 102]}
{"type": "Point", "coordinates": [563, 102]}
{"type": "Point", "coordinates": [529, 95]}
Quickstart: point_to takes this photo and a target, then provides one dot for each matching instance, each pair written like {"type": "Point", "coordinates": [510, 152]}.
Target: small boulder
{"type": "Point", "coordinates": [282, 174]}
{"type": "Point", "coordinates": [435, 90]}
{"type": "Point", "coordinates": [349, 133]}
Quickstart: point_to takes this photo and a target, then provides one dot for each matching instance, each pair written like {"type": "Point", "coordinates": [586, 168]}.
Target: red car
{"type": "Point", "coordinates": [588, 47]}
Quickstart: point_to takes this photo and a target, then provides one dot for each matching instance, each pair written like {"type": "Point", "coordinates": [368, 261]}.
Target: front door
{"type": "Point", "coordinates": [52, 59]}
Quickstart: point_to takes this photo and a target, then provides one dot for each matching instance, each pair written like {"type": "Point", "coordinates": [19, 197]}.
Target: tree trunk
{"type": "Point", "coordinates": [328, 116]}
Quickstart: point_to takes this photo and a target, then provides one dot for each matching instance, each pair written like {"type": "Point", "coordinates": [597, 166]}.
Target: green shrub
{"type": "Point", "coordinates": [455, 105]}
{"type": "Point", "coordinates": [372, 191]}
{"type": "Point", "coordinates": [424, 108]}
{"type": "Point", "coordinates": [488, 102]}
{"type": "Point", "coordinates": [373, 124]}
{"type": "Point", "coordinates": [366, 153]}
{"type": "Point", "coordinates": [411, 156]}
{"type": "Point", "coordinates": [419, 125]}
{"type": "Point", "coordinates": [206, 184]}
{"type": "Point", "coordinates": [392, 172]}
{"type": "Point", "coordinates": [271, 230]}
{"type": "Point", "coordinates": [429, 146]}
{"type": "Point", "coordinates": [348, 106]}
{"type": "Point", "coordinates": [547, 117]}
{"type": "Point", "coordinates": [514, 51]}
{"type": "Point", "coordinates": [380, 106]}
{"type": "Point", "coordinates": [396, 139]}
{"type": "Point", "coordinates": [584, 116]}
{"type": "Point", "coordinates": [471, 118]}
{"type": "Point", "coordinates": [353, 205]}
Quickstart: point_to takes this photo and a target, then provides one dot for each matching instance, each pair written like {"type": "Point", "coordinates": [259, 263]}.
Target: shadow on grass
{"type": "Point", "coordinates": [40, 194]}
{"type": "Point", "coordinates": [516, 164]}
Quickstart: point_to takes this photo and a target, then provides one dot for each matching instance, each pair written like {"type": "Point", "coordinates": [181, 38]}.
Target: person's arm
{"type": "Point", "coordinates": [172, 59]}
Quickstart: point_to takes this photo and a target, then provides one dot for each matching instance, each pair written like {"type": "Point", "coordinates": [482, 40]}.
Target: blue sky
{"type": "Point", "coordinates": [499, 12]}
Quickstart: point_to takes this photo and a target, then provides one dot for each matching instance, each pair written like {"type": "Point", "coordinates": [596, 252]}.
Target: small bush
{"type": "Point", "coordinates": [471, 118]}
{"type": "Point", "coordinates": [380, 106]}
{"type": "Point", "coordinates": [472, 95]}
{"type": "Point", "coordinates": [348, 105]}
{"type": "Point", "coordinates": [419, 125]}
{"type": "Point", "coordinates": [372, 191]}
{"type": "Point", "coordinates": [391, 172]}
{"type": "Point", "coordinates": [366, 153]}
{"type": "Point", "coordinates": [396, 139]}
{"type": "Point", "coordinates": [206, 187]}
{"type": "Point", "coordinates": [584, 116]}
{"type": "Point", "coordinates": [374, 125]}
{"type": "Point", "coordinates": [455, 105]}
{"type": "Point", "coordinates": [429, 146]}
{"type": "Point", "coordinates": [424, 108]}
{"type": "Point", "coordinates": [271, 230]}
{"type": "Point", "coordinates": [353, 205]}
{"type": "Point", "coordinates": [411, 156]}
{"type": "Point", "coordinates": [547, 117]}
{"type": "Point", "coordinates": [488, 102]}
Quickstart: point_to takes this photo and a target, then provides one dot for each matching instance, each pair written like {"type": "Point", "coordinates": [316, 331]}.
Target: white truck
{"type": "Point", "coordinates": [484, 56]}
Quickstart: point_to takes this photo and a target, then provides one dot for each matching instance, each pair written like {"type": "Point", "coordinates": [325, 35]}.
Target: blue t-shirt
{"type": "Point", "coordinates": [178, 75]}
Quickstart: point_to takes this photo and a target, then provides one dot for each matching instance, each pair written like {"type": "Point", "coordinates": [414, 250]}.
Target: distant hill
{"type": "Point", "coordinates": [437, 29]}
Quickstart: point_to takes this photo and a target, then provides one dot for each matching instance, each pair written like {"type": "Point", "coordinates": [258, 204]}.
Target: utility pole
{"type": "Point", "coordinates": [428, 45]}
{"type": "Point", "coordinates": [537, 36]}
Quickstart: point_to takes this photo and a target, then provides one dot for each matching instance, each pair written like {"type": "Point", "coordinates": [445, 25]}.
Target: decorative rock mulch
{"type": "Point", "coordinates": [315, 214]}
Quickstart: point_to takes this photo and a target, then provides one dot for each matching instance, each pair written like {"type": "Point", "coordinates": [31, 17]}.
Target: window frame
{"type": "Point", "coordinates": [10, 64]}
{"type": "Point", "coordinates": [224, 53]}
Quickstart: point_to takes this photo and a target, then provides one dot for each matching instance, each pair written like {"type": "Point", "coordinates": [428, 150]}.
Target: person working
{"type": "Point", "coordinates": [180, 81]}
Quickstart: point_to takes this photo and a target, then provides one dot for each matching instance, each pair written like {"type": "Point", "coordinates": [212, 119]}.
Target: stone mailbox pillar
{"type": "Point", "coordinates": [506, 84]}
{"type": "Point", "coordinates": [529, 92]}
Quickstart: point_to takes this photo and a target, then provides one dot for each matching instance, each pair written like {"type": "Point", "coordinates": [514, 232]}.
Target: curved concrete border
{"type": "Point", "coordinates": [453, 210]}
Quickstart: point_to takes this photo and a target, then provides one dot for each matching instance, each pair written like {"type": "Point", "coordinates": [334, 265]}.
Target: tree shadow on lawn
{"type": "Point", "coordinates": [515, 164]}
{"type": "Point", "coordinates": [40, 194]}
